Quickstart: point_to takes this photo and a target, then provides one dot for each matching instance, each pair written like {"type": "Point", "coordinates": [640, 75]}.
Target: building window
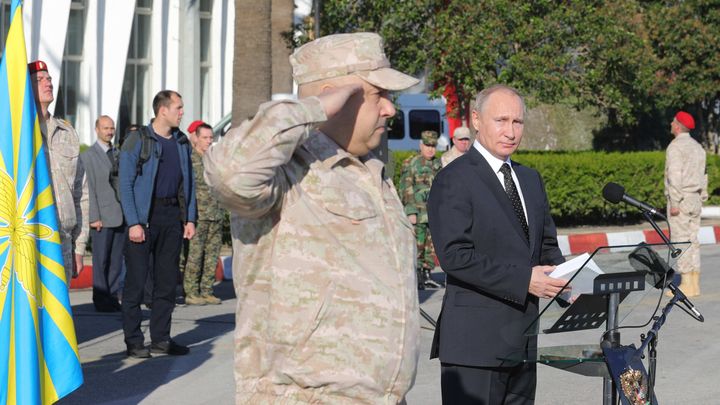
{"type": "Point", "coordinates": [66, 105]}
{"type": "Point", "coordinates": [424, 120]}
{"type": "Point", "coordinates": [396, 126]}
{"type": "Point", "coordinates": [205, 64]}
{"type": "Point", "coordinates": [135, 101]}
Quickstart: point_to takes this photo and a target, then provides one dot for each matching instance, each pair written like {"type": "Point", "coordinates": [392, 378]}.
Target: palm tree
{"type": "Point", "coordinates": [261, 67]}
{"type": "Point", "coordinates": [252, 64]}
{"type": "Point", "coordinates": [282, 22]}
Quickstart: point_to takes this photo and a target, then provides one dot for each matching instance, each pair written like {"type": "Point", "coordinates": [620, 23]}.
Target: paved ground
{"type": "Point", "coordinates": [687, 355]}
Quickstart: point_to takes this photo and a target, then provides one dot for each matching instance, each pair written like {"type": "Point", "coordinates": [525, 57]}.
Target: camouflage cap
{"type": "Point", "coordinates": [461, 133]}
{"type": "Point", "coordinates": [360, 54]}
{"type": "Point", "coordinates": [429, 138]}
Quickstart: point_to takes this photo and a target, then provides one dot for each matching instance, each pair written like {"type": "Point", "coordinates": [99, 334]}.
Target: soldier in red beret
{"type": "Point", "coordinates": [192, 128]}
{"type": "Point", "coordinates": [685, 190]}
{"type": "Point", "coordinates": [71, 193]}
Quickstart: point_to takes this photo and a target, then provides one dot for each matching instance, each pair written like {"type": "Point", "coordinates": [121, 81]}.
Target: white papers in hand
{"type": "Point", "coordinates": [583, 282]}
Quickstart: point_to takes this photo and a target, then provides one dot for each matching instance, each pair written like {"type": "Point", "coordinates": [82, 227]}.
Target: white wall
{"type": "Point", "coordinates": [103, 67]}
{"type": "Point", "coordinates": [175, 54]}
{"type": "Point", "coordinates": [45, 26]}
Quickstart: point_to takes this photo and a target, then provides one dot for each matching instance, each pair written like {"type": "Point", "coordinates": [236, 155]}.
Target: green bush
{"type": "Point", "coordinates": [574, 182]}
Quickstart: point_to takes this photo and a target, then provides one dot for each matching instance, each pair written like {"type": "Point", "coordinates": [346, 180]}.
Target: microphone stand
{"type": "Point", "coordinates": [650, 340]}
{"type": "Point", "coordinates": [674, 252]}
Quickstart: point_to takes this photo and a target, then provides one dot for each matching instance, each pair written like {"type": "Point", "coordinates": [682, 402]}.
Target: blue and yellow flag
{"type": "Point", "coordinates": [39, 360]}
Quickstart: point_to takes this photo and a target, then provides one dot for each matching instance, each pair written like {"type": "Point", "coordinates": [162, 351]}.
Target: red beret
{"type": "Point", "coordinates": [685, 119]}
{"type": "Point", "coordinates": [37, 66]}
{"type": "Point", "coordinates": [194, 125]}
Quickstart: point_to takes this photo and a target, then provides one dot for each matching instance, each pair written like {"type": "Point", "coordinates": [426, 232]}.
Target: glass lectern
{"type": "Point", "coordinates": [605, 287]}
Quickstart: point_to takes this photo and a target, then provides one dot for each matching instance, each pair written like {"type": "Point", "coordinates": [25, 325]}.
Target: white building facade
{"type": "Point", "coordinates": [112, 56]}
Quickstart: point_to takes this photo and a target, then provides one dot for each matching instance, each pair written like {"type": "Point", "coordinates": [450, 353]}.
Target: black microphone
{"type": "Point", "coordinates": [615, 193]}
{"type": "Point", "coordinates": [659, 274]}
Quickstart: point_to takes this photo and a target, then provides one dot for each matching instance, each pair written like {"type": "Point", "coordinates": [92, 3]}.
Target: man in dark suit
{"type": "Point", "coordinates": [107, 228]}
{"type": "Point", "coordinates": [495, 239]}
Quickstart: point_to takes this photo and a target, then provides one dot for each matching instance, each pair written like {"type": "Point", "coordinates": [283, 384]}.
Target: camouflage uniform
{"type": "Point", "coordinates": [454, 153]}
{"type": "Point", "coordinates": [70, 188]}
{"type": "Point", "coordinates": [322, 265]}
{"type": "Point", "coordinates": [449, 156]}
{"type": "Point", "coordinates": [686, 189]}
{"type": "Point", "coordinates": [415, 181]}
{"type": "Point", "coordinates": [204, 248]}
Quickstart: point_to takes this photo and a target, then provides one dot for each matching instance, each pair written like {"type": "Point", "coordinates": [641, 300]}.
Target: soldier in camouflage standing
{"type": "Point", "coordinates": [417, 176]}
{"type": "Point", "coordinates": [69, 185]}
{"type": "Point", "coordinates": [204, 249]}
{"type": "Point", "coordinates": [322, 252]}
{"type": "Point", "coordinates": [461, 144]}
{"type": "Point", "coordinates": [685, 189]}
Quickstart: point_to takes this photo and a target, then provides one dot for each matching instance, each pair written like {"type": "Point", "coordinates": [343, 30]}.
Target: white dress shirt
{"type": "Point", "coordinates": [496, 164]}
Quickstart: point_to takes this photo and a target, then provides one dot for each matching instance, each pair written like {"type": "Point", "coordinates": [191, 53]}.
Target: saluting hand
{"type": "Point", "coordinates": [333, 99]}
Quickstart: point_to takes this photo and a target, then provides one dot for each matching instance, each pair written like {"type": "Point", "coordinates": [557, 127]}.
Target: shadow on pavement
{"type": "Point", "coordinates": [113, 378]}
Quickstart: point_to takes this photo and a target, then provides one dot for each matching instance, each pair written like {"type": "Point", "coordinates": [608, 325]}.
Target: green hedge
{"type": "Point", "coordinates": [574, 182]}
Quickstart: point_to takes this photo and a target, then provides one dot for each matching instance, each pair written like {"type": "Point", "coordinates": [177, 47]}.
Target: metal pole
{"type": "Point", "coordinates": [613, 338]}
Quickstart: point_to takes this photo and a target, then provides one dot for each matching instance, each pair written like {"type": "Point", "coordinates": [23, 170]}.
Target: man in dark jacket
{"type": "Point", "coordinates": [157, 193]}
{"type": "Point", "coordinates": [495, 239]}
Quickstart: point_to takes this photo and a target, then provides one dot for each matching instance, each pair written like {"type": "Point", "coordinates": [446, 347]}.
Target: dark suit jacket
{"type": "Point", "coordinates": [104, 205]}
{"type": "Point", "coordinates": [482, 248]}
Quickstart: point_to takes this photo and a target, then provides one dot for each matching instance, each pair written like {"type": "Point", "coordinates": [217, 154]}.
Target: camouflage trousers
{"type": "Point", "coordinates": [685, 227]}
{"type": "Point", "coordinates": [425, 248]}
{"type": "Point", "coordinates": [203, 252]}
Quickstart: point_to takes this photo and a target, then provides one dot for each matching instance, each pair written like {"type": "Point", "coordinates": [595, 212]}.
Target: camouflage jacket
{"type": "Point", "coordinates": [415, 181]}
{"type": "Point", "coordinates": [208, 207]}
{"type": "Point", "coordinates": [323, 264]}
{"type": "Point", "coordinates": [449, 156]}
{"type": "Point", "coordinates": [69, 185]}
{"type": "Point", "coordinates": [685, 176]}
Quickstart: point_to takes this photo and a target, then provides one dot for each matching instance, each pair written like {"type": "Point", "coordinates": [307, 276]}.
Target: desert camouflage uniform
{"type": "Point", "coordinates": [415, 181]}
{"type": "Point", "coordinates": [449, 156]}
{"type": "Point", "coordinates": [70, 188]}
{"type": "Point", "coordinates": [686, 189]}
{"type": "Point", "coordinates": [322, 265]}
{"type": "Point", "coordinates": [204, 248]}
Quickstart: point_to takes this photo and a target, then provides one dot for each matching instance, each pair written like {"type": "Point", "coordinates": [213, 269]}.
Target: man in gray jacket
{"type": "Point", "coordinates": [106, 218]}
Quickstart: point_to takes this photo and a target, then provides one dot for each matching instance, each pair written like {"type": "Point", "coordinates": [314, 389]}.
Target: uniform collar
{"type": "Point", "coordinates": [331, 154]}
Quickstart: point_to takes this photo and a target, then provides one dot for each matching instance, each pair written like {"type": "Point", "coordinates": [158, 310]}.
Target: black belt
{"type": "Point", "coordinates": [167, 201]}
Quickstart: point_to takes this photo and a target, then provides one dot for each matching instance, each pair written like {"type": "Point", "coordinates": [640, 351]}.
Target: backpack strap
{"type": "Point", "coordinates": [146, 148]}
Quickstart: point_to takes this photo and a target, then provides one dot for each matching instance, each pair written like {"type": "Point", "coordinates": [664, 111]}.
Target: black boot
{"type": "Point", "coordinates": [420, 279]}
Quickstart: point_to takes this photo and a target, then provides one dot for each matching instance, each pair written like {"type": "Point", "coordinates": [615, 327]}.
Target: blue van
{"type": "Point", "coordinates": [417, 113]}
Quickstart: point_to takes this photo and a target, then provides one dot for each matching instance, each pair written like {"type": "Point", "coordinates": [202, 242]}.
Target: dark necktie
{"type": "Point", "coordinates": [111, 155]}
{"type": "Point", "coordinates": [514, 197]}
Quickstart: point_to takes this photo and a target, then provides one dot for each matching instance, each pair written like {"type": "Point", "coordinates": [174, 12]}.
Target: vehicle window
{"type": "Point", "coordinates": [396, 126]}
{"type": "Point", "coordinates": [424, 120]}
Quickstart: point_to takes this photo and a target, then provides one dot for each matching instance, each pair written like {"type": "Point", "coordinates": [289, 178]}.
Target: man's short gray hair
{"type": "Point", "coordinates": [485, 94]}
